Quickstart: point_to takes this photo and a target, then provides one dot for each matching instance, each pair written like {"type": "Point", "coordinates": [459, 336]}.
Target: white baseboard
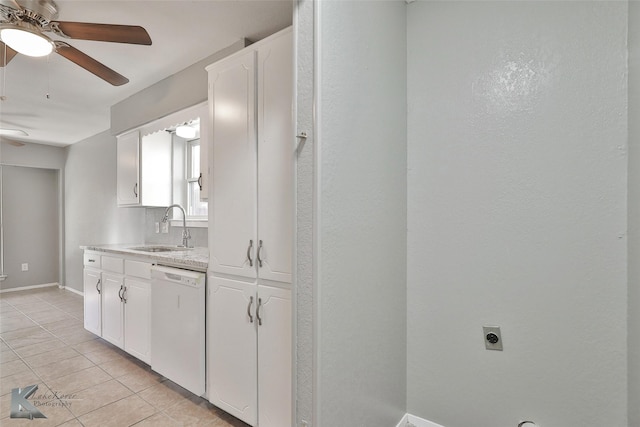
{"type": "Point", "coordinates": [413, 421]}
{"type": "Point", "coordinates": [25, 288]}
{"type": "Point", "coordinates": [75, 291]}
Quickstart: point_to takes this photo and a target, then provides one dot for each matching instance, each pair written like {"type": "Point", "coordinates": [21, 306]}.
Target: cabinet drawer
{"type": "Point", "coordinates": [112, 264]}
{"type": "Point", "coordinates": [137, 269]}
{"type": "Point", "coordinates": [92, 260]}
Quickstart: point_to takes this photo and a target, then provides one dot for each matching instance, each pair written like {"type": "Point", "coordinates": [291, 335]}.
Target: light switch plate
{"type": "Point", "coordinates": [492, 337]}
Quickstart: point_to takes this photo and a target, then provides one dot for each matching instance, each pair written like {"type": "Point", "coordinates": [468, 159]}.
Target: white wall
{"type": "Point", "coordinates": [31, 155]}
{"type": "Point", "coordinates": [92, 216]}
{"type": "Point", "coordinates": [517, 212]}
{"type": "Point", "coordinates": [31, 218]}
{"type": "Point", "coordinates": [44, 157]}
{"type": "Point", "coordinates": [184, 89]}
{"type": "Point", "coordinates": [361, 208]}
{"type": "Point", "coordinates": [634, 213]}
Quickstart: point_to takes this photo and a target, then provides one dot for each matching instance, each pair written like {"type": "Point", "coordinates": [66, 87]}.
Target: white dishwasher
{"type": "Point", "coordinates": [178, 326]}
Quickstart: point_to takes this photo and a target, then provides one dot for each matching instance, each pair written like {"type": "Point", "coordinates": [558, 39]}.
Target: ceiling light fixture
{"type": "Point", "coordinates": [26, 39]}
{"type": "Point", "coordinates": [186, 131]}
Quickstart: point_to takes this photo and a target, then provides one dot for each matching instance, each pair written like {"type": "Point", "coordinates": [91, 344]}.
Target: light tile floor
{"type": "Point", "coordinates": [83, 380]}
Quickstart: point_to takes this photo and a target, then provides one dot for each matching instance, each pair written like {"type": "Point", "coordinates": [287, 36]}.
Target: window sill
{"type": "Point", "coordinates": [191, 223]}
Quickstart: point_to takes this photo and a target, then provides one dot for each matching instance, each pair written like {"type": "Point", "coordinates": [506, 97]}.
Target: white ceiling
{"type": "Point", "coordinates": [78, 106]}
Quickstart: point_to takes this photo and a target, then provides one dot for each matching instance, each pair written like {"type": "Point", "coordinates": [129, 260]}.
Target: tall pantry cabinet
{"type": "Point", "coordinates": [251, 232]}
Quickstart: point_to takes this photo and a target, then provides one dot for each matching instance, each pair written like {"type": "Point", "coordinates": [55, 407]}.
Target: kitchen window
{"type": "Point", "coordinates": [196, 209]}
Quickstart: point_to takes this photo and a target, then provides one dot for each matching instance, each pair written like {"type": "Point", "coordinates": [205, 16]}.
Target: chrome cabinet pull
{"type": "Point", "coordinates": [258, 311]}
{"type": "Point", "coordinates": [135, 189]}
{"type": "Point", "coordinates": [124, 295]}
{"type": "Point", "coordinates": [249, 310]}
{"type": "Point", "coordinates": [98, 286]}
{"type": "Point", "coordinates": [258, 256]}
{"type": "Point", "coordinates": [200, 181]}
{"type": "Point", "coordinates": [249, 253]}
{"type": "Point", "coordinates": [120, 292]}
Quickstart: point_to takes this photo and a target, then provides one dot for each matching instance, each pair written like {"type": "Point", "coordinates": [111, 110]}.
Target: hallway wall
{"type": "Point", "coordinates": [634, 213]}
{"type": "Point", "coordinates": [517, 212]}
{"type": "Point", "coordinates": [360, 202]}
{"type": "Point", "coordinates": [30, 209]}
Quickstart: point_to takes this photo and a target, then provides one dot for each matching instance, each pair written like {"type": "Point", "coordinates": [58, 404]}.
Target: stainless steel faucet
{"type": "Point", "coordinates": [186, 235]}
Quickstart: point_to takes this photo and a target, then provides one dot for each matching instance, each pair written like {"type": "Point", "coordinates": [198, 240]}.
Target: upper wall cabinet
{"type": "Point", "coordinates": [251, 197]}
{"type": "Point", "coordinates": [144, 169]}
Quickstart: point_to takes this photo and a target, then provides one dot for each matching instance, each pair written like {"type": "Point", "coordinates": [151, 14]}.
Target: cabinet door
{"type": "Point", "coordinates": [92, 301]}
{"type": "Point", "coordinates": [232, 211]}
{"type": "Point", "coordinates": [231, 340]}
{"type": "Point", "coordinates": [112, 285]}
{"type": "Point", "coordinates": [274, 357]}
{"type": "Point", "coordinates": [137, 318]}
{"type": "Point", "coordinates": [155, 169]}
{"type": "Point", "coordinates": [276, 154]}
{"type": "Point", "coordinates": [128, 157]}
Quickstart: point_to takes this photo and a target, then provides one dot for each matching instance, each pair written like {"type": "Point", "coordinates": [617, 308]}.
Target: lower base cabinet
{"type": "Point", "coordinates": [117, 302]}
{"type": "Point", "coordinates": [137, 318]}
{"type": "Point", "coordinates": [112, 308]}
{"type": "Point", "coordinates": [249, 351]}
{"type": "Point", "coordinates": [92, 283]}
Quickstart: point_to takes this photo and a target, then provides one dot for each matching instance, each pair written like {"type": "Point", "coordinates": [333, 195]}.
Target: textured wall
{"type": "Point", "coordinates": [92, 216]}
{"type": "Point", "coordinates": [303, 252]}
{"type": "Point", "coordinates": [634, 213]}
{"type": "Point", "coordinates": [517, 212]}
{"type": "Point", "coordinates": [361, 213]}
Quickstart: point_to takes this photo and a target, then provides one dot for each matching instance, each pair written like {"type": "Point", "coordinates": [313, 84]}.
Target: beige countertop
{"type": "Point", "coordinates": [191, 259]}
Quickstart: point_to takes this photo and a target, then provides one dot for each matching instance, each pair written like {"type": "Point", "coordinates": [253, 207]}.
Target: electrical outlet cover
{"type": "Point", "coordinates": [492, 337]}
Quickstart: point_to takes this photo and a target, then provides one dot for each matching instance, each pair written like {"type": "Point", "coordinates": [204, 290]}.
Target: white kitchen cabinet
{"type": "Point", "coordinates": [232, 353]}
{"type": "Point", "coordinates": [232, 207]}
{"type": "Point", "coordinates": [137, 318]}
{"type": "Point", "coordinates": [251, 200]}
{"type": "Point", "coordinates": [251, 232]}
{"type": "Point", "coordinates": [250, 353]}
{"type": "Point", "coordinates": [144, 169]}
{"type": "Point", "coordinates": [112, 310]}
{"type": "Point", "coordinates": [274, 361]}
{"type": "Point", "coordinates": [127, 168]}
{"type": "Point", "coordinates": [275, 159]}
{"type": "Point", "coordinates": [117, 302]}
{"type": "Point", "coordinates": [92, 300]}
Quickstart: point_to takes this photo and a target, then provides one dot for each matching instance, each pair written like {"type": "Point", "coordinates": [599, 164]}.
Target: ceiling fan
{"type": "Point", "coordinates": [26, 21]}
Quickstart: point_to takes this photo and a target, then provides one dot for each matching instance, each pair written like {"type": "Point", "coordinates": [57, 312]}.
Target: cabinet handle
{"type": "Point", "coordinates": [120, 292]}
{"type": "Point", "coordinates": [135, 189]}
{"type": "Point", "coordinates": [200, 181]}
{"type": "Point", "coordinates": [258, 256]}
{"type": "Point", "coordinates": [124, 295]}
{"type": "Point", "coordinates": [97, 286]}
{"type": "Point", "coordinates": [258, 311]}
{"type": "Point", "coordinates": [249, 310]}
{"type": "Point", "coordinates": [249, 253]}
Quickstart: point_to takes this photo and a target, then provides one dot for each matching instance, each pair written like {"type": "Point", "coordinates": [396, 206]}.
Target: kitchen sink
{"type": "Point", "coordinates": [159, 248]}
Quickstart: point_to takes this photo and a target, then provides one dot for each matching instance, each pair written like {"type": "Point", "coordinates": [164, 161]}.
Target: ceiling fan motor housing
{"type": "Point", "coordinates": [39, 12]}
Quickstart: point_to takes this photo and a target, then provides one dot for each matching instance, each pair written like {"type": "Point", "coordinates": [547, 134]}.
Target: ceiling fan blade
{"type": "Point", "coordinates": [102, 32]}
{"type": "Point", "coordinates": [6, 54]}
{"type": "Point", "coordinates": [90, 64]}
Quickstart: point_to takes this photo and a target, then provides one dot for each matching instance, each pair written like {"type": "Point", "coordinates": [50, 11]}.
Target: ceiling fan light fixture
{"type": "Point", "coordinates": [25, 38]}
{"type": "Point", "coordinates": [186, 131]}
